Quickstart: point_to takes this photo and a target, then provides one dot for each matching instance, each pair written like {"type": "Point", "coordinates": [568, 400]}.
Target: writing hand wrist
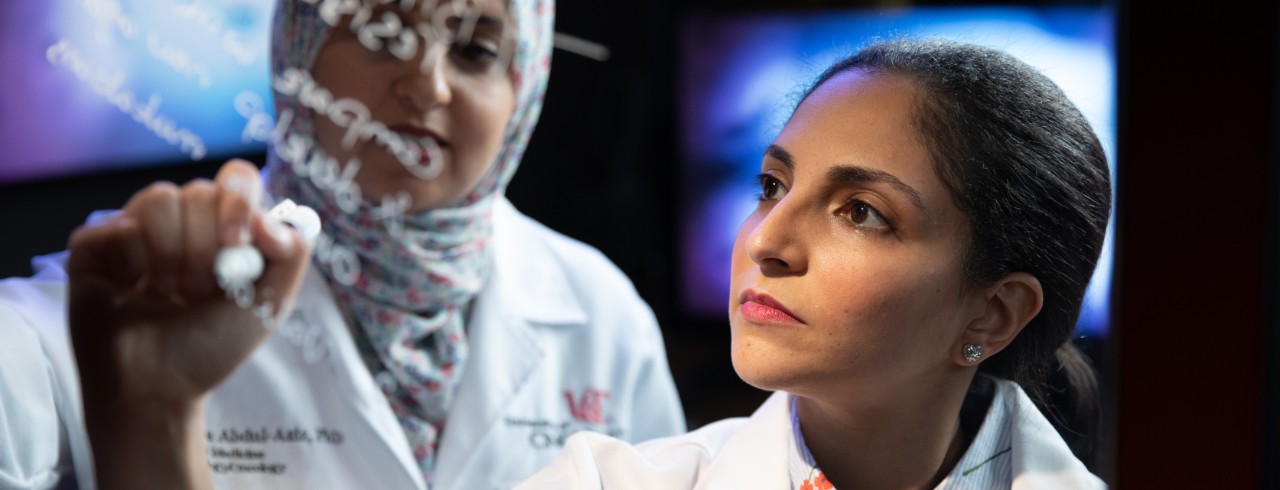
{"type": "Point", "coordinates": [148, 444]}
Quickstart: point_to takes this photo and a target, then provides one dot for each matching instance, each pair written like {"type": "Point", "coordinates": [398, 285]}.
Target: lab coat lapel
{"type": "Point", "coordinates": [757, 456]}
{"type": "Point", "coordinates": [364, 398]}
{"type": "Point", "coordinates": [525, 289]}
{"type": "Point", "coordinates": [1017, 448]}
{"type": "Point", "coordinates": [1038, 456]}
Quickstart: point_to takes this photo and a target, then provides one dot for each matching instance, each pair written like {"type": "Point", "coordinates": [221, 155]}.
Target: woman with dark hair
{"type": "Point", "coordinates": [928, 221]}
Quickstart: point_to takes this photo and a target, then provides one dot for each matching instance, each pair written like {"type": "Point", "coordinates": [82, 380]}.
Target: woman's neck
{"type": "Point", "coordinates": [909, 440]}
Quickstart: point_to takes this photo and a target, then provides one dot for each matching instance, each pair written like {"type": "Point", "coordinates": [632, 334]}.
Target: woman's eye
{"type": "Point", "coordinates": [771, 189]}
{"type": "Point", "coordinates": [866, 216]}
{"type": "Point", "coordinates": [475, 52]}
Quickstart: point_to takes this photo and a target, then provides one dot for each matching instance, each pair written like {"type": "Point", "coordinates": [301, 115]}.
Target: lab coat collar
{"type": "Point", "coordinates": [536, 290]}
{"type": "Point", "coordinates": [750, 459]}
{"type": "Point", "coordinates": [1034, 455]}
{"type": "Point", "coordinates": [1039, 456]}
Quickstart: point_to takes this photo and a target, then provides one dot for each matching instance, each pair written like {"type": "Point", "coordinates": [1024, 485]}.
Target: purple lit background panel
{"type": "Point", "coordinates": [61, 115]}
{"type": "Point", "coordinates": [741, 74]}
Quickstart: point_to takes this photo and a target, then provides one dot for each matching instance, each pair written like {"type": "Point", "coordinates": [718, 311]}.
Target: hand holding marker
{"type": "Point", "coordinates": [238, 267]}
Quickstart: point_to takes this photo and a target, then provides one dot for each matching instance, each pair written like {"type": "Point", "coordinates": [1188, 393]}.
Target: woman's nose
{"type": "Point", "coordinates": [774, 241]}
{"type": "Point", "coordinates": [425, 83]}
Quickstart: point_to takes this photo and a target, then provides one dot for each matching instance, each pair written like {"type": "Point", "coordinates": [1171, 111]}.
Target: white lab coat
{"type": "Point", "coordinates": [560, 342]}
{"type": "Point", "coordinates": [1016, 448]}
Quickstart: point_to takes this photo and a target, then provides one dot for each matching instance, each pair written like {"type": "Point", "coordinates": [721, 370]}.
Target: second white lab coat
{"type": "Point", "coordinates": [1015, 448]}
{"type": "Point", "coordinates": [560, 342]}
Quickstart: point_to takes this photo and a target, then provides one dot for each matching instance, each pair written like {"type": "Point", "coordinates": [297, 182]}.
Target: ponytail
{"type": "Point", "coordinates": [1071, 404]}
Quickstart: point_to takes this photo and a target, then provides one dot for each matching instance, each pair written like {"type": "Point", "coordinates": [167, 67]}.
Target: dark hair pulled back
{"type": "Point", "coordinates": [1022, 162]}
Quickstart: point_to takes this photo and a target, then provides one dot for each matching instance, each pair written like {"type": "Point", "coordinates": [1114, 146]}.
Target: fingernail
{"type": "Point", "coordinates": [236, 184]}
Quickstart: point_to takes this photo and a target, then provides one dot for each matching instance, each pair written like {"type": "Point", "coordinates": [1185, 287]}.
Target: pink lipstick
{"type": "Point", "coordinates": [762, 309]}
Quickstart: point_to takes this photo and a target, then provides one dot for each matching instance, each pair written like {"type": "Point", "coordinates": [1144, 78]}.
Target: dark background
{"type": "Point", "coordinates": [1192, 368]}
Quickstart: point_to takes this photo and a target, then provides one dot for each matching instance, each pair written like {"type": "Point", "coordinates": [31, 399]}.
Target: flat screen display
{"type": "Point", "coordinates": [96, 85]}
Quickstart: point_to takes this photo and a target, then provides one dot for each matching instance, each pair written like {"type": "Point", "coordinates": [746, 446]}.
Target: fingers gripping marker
{"type": "Point", "coordinates": [238, 267]}
{"type": "Point", "coordinates": [301, 218]}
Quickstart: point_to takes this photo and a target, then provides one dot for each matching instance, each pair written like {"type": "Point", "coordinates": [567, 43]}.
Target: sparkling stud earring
{"type": "Point", "coordinates": [972, 352]}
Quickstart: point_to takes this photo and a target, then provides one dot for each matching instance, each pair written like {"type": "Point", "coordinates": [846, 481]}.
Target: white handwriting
{"type": "Point", "coordinates": [310, 162]}
{"type": "Point", "coordinates": [258, 125]}
{"type": "Point", "coordinates": [109, 12]}
{"type": "Point", "coordinates": [421, 157]}
{"type": "Point", "coordinates": [210, 21]}
{"type": "Point", "coordinates": [108, 86]}
{"type": "Point", "coordinates": [343, 263]}
{"type": "Point", "coordinates": [179, 60]}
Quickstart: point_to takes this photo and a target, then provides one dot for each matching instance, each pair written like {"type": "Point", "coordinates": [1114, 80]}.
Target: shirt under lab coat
{"type": "Point", "coordinates": [560, 342]}
{"type": "Point", "coordinates": [1015, 448]}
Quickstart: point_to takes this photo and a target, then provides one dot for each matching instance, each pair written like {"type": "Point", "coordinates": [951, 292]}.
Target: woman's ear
{"type": "Point", "coordinates": [1008, 306]}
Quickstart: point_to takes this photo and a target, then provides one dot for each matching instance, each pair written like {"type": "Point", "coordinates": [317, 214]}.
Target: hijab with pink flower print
{"type": "Point", "coordinates": [413, 286]}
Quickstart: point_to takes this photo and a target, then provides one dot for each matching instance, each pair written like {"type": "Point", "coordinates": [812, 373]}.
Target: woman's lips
{"type": "Point", "coordinates": [761, 308]}
{"type": "Point", "coordinates": [419, 133]}
{"type": "Point", "coordinates": [427, 145]}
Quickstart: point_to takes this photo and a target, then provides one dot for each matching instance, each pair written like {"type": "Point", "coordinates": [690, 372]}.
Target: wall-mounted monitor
{"type": "Point", "coordinates": [97, 85]}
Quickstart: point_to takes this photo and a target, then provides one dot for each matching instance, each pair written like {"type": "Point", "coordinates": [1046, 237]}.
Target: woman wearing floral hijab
{"type": "Point", "coordinates": [437, 336]}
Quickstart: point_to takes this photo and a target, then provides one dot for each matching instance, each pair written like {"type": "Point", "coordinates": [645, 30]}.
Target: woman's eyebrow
{"type": "Point", "coordinates": [480, 20]}
{"type": "Point", "coordinates": [853, 174]}
{"type": "Point", "coordinates": [781, 155]}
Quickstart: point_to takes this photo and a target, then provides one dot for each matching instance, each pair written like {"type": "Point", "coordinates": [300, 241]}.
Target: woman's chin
{"type": "Point", "coordinates": [763, 366]}
{"type": "Point", "coordinates": [405, 193]}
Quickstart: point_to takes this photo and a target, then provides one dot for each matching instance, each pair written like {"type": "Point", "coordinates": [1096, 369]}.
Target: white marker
{"type": "Point", "coordinates": [236, 268]}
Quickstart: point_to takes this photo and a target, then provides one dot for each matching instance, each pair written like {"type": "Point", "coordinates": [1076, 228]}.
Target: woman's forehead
{"type": "Point", "coordinates": [860, 117]}
{"type": "Point", "coordinates": [868, 97]}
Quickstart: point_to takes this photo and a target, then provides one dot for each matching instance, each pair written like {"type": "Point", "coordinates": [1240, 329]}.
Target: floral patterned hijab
{"type": "Point", "coordinates": [410, 292]}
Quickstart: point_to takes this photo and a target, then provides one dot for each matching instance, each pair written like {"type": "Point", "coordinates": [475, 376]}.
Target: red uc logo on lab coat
{"type": "Point", "coordinates": [589, 406]}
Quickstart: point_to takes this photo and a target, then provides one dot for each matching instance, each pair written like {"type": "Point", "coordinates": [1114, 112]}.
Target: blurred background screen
{"type": "Point", "coordinates": [99, 85]}
{"type": "Point", "coordinates": [741, 74]}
